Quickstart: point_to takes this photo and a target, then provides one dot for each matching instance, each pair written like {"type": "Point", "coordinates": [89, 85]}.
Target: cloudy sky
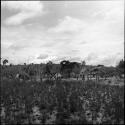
{"type": "Point", "coordinates": [38, 31]}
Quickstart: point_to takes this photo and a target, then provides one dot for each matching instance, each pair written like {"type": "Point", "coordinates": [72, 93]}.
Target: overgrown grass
{"type": "Point", "coordinates": [69, 102]}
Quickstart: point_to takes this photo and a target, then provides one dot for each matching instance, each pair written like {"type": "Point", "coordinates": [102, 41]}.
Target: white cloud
{"type": "Point", "coordinates": [27, 9]}
{"type": "Point", "coordinates": [43, 60]}
{"type": "Point", "coordinates": [68, 24]}
{"type": "Point", "coordinates": [111, 59]}
{"type": "Point", "coordinates": [42, 56]}
{"type": "Point", "coordinates": [97, 39]}
{"type": "Point", "coordinates": [98, 34]}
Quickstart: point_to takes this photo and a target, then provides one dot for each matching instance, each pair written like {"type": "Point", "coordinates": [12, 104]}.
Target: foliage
{"type": "Point", "coordinates": [5, 61]}
{"type": "Point", "coordinates": [49, 67]}
{"type": "Point", "coordinates": [67, 67]}
{"type": "Point", "coordinates": [121, 64]}
{"type": "Point", "coordinates": [120, 67]}
{"type": "Point", "coordinates": [58, 102]}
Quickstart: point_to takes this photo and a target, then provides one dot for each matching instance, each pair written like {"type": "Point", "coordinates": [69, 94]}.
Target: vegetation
{"type": "Point", "coordinates": [66, 68]}
{"type": "Point", "coordinates": [61, 102]}
{"type": "Point", "coordinates": [121, 64]}
{"type": "Point", "coordinates": [120, 67]}
{"type": "Point", "coordinates": [5, 61]}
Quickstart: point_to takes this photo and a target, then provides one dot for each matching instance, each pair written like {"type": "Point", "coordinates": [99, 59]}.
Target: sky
{"type": "Point", "coordinates": [42, 31]}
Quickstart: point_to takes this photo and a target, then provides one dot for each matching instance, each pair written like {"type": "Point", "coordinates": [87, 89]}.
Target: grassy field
{"type": "Point", "coordinates": [68, 102]}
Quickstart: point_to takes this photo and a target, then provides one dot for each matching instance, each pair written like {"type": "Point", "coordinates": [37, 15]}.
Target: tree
{"type": "Point", "coordinates": [120, 67]}
{"type": "Point", "coordinates": [5, 61]}
{"type": "Point", "coordinates": [121, 64]}
{"type": "Point", "coordinates": [11, 64]}
{"type": "Point", "coordinates": [76, 69]}
{"type": "Point", "coordinates": [83, 63]}
{"type": "Point", "coordinates": [48, 67]}
{"type": "Point", "coordinates": [100, 65]}
{"type": "Point", "coordinates": [55, 69]}
{"type": "Point", "coordinates": [65, 67]}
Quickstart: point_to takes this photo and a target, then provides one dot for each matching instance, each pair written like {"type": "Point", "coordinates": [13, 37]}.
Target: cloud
{"type": "Point", "coordinates": [26, 10]}
{"type": "Point", "coordinates": [42, 56]}
{"type": "Point", "coordinates": [111, 59]}
{"type": "Point", "coordinates": [16, 47]}
{"type": "Point", "coordinates": [19, 46]}
{"type": "Point", "coordinates": [75, 51]}
{"type": "Point", "coordinates": [83, 42]}
{"type": "Point", "coordinates": [77, 59]}
{"type": "Point", "coordinates": [91, 57]}
{"type": "Point", "coordinates": [58, 59]}
{"type": "Point", "coordinates": [68, 25]}
{"type": "Point", "coordinates": [106, 59]}
{"type": "Point", "coordinates": [93, 37]}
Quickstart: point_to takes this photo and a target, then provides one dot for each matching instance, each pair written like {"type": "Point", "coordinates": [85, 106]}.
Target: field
{"type": "Point", "coordinates": [67, 102]}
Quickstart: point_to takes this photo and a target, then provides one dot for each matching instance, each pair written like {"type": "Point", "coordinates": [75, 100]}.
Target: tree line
{"type": "Point", "coordinates": [66, 68]}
